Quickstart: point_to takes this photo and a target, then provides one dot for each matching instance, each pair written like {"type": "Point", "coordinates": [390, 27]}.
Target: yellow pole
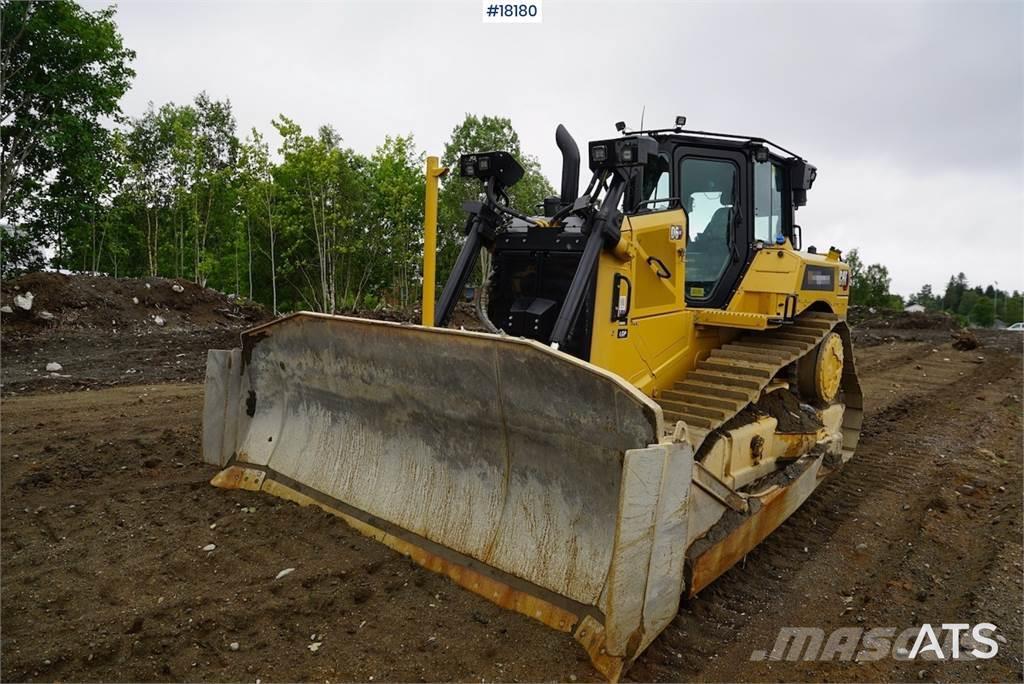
{"type": "Point", "coordinates": [434, 172]}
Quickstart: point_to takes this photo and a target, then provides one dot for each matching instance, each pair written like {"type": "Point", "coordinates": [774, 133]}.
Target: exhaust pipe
{"type": "Point", "coordinates": [570, 165]}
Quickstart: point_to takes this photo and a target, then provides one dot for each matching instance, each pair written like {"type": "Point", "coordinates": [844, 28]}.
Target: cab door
{"type": "Point", "coordinates": [659, 318]}
{"type": "Point", "coordinates": [713, 186]}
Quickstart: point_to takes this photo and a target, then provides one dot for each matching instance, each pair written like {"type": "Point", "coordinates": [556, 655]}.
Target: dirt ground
{"type": "Point", "coordinates": [106, 510]}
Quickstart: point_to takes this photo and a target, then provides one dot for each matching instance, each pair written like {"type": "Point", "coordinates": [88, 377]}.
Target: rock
{"type": "Point", "coordinates": [861, 547]}
{"type": "Point", "coordinates": [135, 300]}
{"type": "Point", "coordinates": [315, 646]}
{"type": "Point", "coordinates": [906, 507]}
{"type": "Point", "coordinates": [233, 645]}
{"type": "Point", "coordinates": [1000, 638]}
{"type": "Point", "coordinates": [159, 320]}
{"type": "Point", "coordinates": [209, 547]}
{"type": "Point", "coordinates": [46, 315]}
{"type": "Point", "coordinates": [54, 367]}
{"type": "Point", "coordinates": [177, 288]}
{"type": "Point", "coordinates": [148, 286]}
{"type": "Point", "coordinates": [964, 340]}
{"type": "Point", "coordinates": [284, 573]}
{"type": "Point", "coordinates": [24, 301]}
{"type": "Point", "coordinates": [6, 309]}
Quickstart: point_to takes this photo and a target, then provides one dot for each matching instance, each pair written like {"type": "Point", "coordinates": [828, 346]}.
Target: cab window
{"type": "Point", "coordinates": [767, 201]}
{"type": "Point", "coordinates": [654, 191]}
{"type": "Point", "coordinates": [708, 191]}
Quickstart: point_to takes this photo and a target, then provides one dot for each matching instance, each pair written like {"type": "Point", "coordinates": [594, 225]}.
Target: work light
{"type": "Point", "coordinates": [501, 166]}
{"type": "Point", "coordinates": [628, 151]}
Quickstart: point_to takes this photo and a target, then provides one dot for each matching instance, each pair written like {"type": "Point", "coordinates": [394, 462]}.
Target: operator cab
{"type": "Point", "coordinates": [738, 193]}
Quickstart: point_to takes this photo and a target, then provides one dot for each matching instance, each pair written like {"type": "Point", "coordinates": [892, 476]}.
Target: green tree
{"type": "Point", "coordinates": [926, 298]}
{"type": "Point", "coordinates": [967, 302]}
{"type": "Point", "coordinates": [869, 286]}
{"type": "Point", "coordinates": [321, 190]}
{"type": "Point", "coordinates": [983, 313]}
{"type": "Point", "coordinates": [1014, 311]}
{"type": "Point", "coordinates": [64, 72]}
{"type": "Point", "coordinates": [955, 289]}
{"type": "Point", "coordinates": [875, 287]}
{"type": "Point", "coordinates": [259, 196]}
{"type": "Point", "coordinates": [856, 271]}
{"type": "Point", "coordinates": [181, 164]}
{"type": "Point", "coordinates": [394, 220]}
{"type": "Point", "coordinates": [213, 147]}
{"type": "Point", "coordinates": [77, 212]}
{"type": "Point", "coordinates": [150, 179]}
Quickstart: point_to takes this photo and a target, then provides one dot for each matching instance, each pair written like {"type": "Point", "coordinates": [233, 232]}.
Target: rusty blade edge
{"type": "Point", "coordinates": [586, 623]}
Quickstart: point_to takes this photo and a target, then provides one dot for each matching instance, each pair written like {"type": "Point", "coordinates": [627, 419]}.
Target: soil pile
{"type": "Point", "coordinates": [88, 332]}
{"type": "Point", "coordinates": [872, 318]}
{"type": "Point", "coordinates": [102, 302]}
{"type": "Point", "coordinates": [464, 316]}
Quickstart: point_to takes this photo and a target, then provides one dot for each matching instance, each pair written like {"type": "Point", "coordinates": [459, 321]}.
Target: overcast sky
{"type": "Point", "coordinates": [913, 112]}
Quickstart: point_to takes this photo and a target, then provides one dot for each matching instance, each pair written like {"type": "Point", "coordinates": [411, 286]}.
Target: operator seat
{"type": "Point", "coordinates": [717, 232]}
{"type": "Point", "coordinates": [710, 251]}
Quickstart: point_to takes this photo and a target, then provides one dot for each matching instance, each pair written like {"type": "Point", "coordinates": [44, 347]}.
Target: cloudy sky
{"type": "Point", "coordinates": [913, 112]}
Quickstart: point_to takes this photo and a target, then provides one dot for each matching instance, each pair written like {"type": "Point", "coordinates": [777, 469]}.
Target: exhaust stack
{"type": "Point", "coordinates": [570, 165]}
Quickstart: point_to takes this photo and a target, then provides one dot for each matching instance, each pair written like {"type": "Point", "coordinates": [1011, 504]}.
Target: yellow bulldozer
{"type": "Point", "coordinates": [667, 376]}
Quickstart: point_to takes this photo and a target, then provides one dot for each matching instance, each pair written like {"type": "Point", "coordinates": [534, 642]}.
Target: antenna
{"type": "Point", "coordinates": [642, 112]}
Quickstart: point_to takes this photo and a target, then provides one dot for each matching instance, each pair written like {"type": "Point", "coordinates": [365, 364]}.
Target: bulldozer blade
{"type": "Point", "coordinates": [534, 479]}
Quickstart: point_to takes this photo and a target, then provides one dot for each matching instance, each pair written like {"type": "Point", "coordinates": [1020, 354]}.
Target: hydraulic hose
{"type": "Point", "coordinates": [481, 305]}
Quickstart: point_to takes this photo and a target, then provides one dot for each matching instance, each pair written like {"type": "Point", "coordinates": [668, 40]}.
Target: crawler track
{"type": "Point", "coordinates": [734, 376]}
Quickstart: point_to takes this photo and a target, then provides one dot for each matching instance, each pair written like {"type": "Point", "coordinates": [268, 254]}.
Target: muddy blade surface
{"type": "Point", "coordinates": [500, 450]}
